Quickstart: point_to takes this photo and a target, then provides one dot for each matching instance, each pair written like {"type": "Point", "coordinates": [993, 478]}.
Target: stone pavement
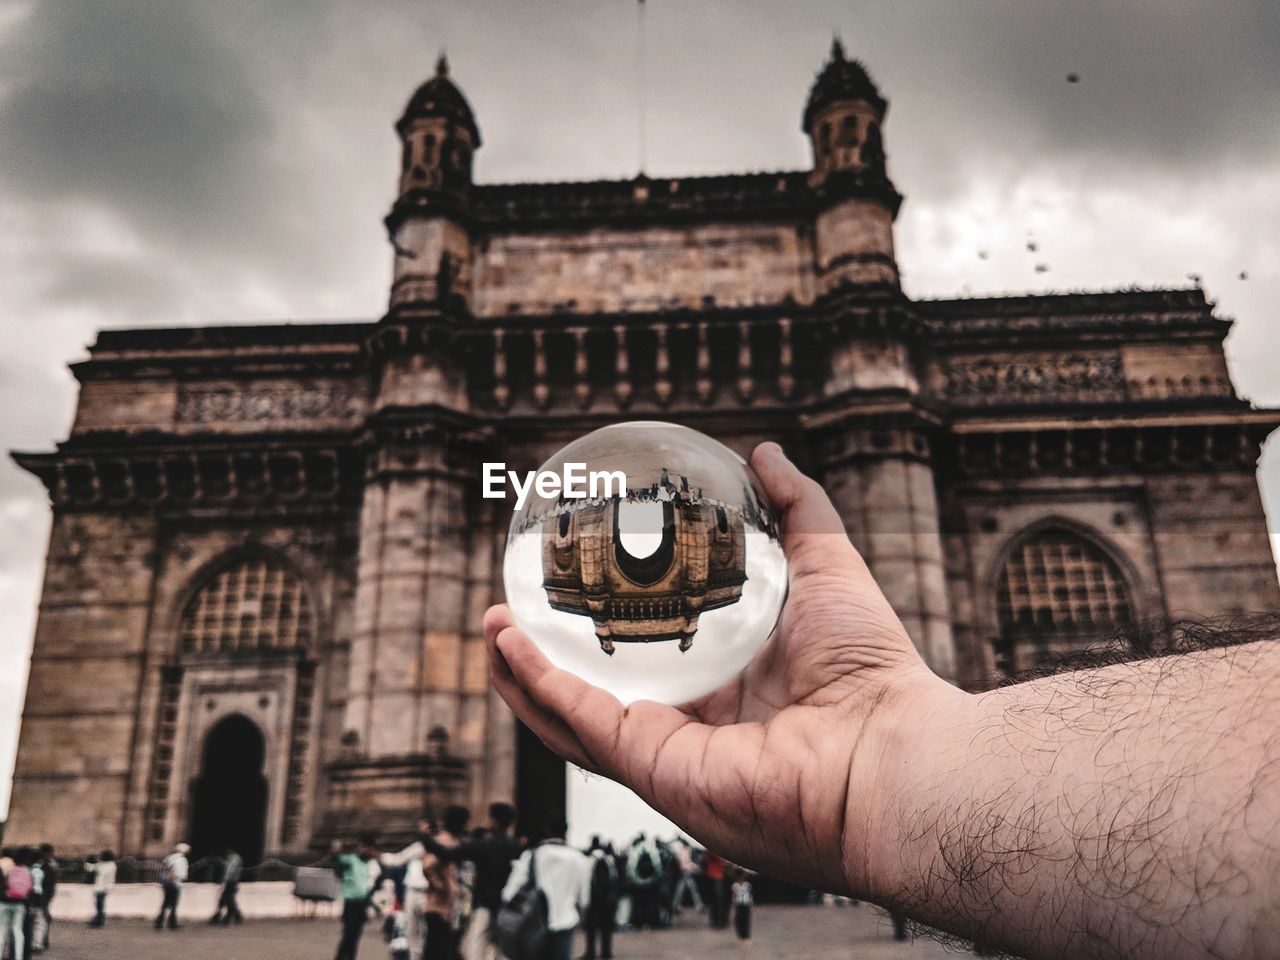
{"type": "Point", "coordinates": [793, 933]}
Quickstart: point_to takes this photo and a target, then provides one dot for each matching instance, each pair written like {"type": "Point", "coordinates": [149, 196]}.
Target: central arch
{"type": "Point", "coordinates": [229, 799]}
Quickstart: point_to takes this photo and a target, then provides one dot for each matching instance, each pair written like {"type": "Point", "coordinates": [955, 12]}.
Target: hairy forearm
{"type": "Point", "coordinates": [1128, 811]}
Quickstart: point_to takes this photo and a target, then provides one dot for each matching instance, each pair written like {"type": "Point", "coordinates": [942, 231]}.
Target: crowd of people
{"type": "Point", "coordinates": [28, 881]}
{"type": "Point", "coordinates": [447, 895]}
{"type": "Point", "coordinates": [457, 892]}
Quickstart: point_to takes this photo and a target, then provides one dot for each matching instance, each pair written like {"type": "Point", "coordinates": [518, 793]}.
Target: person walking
{"type": "Point", "coordinates": [492, 855]}
{"type": "Point", "coordinates": [50, 866]}
{"type": "Point", "coordinates": [17, 884]}
{"type": "Point", "coordinates": [686, 878]}
{"type": "Point", "coordinates": [743, 901]}
{"type": "Point", "coordinates": [173, 874]}
{"type": "Point", "coordinates": [356, 875]}
{"type": "Point", "coordinates": [103, 871]}
{"type": "Point", "coordinates": [563, 875]}
{"type": "Point", "coordinates": [228, 907]}
{"type": "Point", "coordinates": [602, 901]}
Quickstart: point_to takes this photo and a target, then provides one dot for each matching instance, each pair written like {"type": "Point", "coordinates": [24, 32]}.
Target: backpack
{"type": "Point", "coordinates": [18, 884]}
{"type": "Point", "coordinates": [521, 929]}
{"type": "Point", "coordinates": [602, 882]}
{"type": "Point", "coordinates": [645, 870]}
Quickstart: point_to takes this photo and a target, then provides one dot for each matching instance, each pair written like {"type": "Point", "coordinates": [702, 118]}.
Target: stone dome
{"type": "Point", "coordinates": [440, 97]}
{"type": "Point", "coordinates": [841, 79]}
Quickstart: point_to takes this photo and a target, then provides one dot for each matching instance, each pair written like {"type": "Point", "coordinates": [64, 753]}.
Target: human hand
{"type": "Point", "coordinates": [787, 767]}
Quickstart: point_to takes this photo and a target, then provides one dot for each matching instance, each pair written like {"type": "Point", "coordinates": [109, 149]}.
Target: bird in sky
{"type": "Point", "coordinates": [1032, 246]}
{"type": "Point", "coordinates": [1042, 268]}
{"type": "Point", "coordinates": [983, 254]}
{"type": "Point", "coordinates": [1073, 78]}
{"type": "Point", "coordinates": [1244, 274]}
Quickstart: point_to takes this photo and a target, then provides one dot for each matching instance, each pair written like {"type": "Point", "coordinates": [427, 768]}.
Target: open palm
{"type": "Point", "coordinates": [778, 769]}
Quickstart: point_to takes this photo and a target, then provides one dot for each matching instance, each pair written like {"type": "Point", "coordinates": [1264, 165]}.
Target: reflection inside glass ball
{"type": "Point", "coordinates": [663, 578]}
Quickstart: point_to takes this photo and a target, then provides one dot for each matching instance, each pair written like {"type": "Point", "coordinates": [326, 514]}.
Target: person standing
{"type": "Point", "coordinates": [602, 901]}
{"type": "Point", "coordinates": [228, 907]}
{"type": "Point", "coordinates": [440, 913]}
{"type": "Point", "coordinates": [563, 875]}
{"type": "Point", "coordinates": [743, 901]}
{"type": "Point", "coordinates": [13, 902]}
{"type": "Point", "coordinates": [51, 868]}
{"type": "Point", "coordinates": [33, 922]}
{"type": "Point", "coordinates": [492, 855]}
{"type": "Point", "coordinates": [644, 880]}
{"type": "Point", "coordinates": [103, 871]}
{"type": "Point", "coordinates": [173, 874]}
{"type": "Point", "coordinates": [414, 899]}
{"type": "Point", "coordinates": [718, 889]}
{"type": "Point", "coordinates": [353, 869]}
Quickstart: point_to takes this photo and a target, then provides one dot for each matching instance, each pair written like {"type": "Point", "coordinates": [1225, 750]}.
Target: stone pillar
{"type": "Point", "coordinates": [414, 720]}
{"type": "Point", "coordinates": [882, 484]}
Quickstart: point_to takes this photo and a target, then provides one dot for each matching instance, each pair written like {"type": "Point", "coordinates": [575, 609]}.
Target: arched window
{"type": "Point", "coordinates": [253, 604]}
{"type": "Point", "coordinates": [1057, 593]}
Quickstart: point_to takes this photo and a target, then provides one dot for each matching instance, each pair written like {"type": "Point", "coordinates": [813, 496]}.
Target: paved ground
{"type": "Point", "coordinates": [793, 933]}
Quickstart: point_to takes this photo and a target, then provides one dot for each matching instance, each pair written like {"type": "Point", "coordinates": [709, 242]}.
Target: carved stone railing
{"type": "Point", "coordinates": [193, 475]}
{"type": "Point", "coordinates": [1108, 449]}
{"type": "Point", "coordinates": [686, 363]}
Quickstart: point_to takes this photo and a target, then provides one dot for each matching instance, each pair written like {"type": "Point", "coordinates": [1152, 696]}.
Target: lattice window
{"type": "Point", "coordinates": [294, 799]}
{"type": "Point", "coordinates": [255, 604]}
{"type": "Point", "coordinates": [1057, 593]}
{"type": "Point", "coordinates": [162, 762]}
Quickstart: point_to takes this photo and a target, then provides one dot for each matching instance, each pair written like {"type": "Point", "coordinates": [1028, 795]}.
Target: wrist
{"type": "Point", "coordinates": [906, 756]}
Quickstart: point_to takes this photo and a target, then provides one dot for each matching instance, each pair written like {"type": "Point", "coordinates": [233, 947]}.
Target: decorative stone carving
{"type": "Point", "coordinates": [1036, 378]}
{"type": "Point", "coordinates": [257, 404]}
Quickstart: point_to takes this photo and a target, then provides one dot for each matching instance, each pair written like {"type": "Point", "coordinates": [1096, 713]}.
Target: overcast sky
{"type": "Point", "coordinates": [166, 162]}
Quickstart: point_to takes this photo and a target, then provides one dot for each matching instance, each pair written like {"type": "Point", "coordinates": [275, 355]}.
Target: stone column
{"type": "Point", "coordinates": [881, 482]}
{"type": "Point", "coordinates": [410, 729]}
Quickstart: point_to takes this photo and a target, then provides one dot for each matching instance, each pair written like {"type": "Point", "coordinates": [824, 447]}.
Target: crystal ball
{"type": "Point", "coordinates": [652, 567]}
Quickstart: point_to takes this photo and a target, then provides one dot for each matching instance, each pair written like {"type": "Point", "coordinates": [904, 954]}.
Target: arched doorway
{"type": "Point", "coordinates": [229, 800]}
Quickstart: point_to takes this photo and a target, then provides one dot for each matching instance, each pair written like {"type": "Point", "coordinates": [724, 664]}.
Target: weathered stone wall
{"type": "Point", "coordinates": [612, 270]}
{"type": "Point", "coordinates": [73, 762]}
{"type": "Point", "coordinates": [1211, 541]}
{"type": "Point", "coordinates": [853, 243]}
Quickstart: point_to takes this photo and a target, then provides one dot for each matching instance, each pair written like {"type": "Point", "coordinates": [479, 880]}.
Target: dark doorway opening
{"type": "Point", "coordinates": [229, 800]}
{"type": "Point", "coordinates": [540, 784]}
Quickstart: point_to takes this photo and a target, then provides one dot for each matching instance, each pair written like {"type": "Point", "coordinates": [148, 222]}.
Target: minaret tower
{"type": "Point", "coordinates": [413, 736]}
{"type": "Point", "coordinates": [428, 222]}
{"type": "Point", "coordinates": [854, 229]}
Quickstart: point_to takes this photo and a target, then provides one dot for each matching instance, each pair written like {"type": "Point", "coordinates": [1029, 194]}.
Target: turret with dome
{"type": "Point", "coordinates": [854, 230]}
{"type": "Point", "coordinates": [427, 223]}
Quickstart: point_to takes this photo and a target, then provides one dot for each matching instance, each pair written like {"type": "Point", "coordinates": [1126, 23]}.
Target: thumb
{"type": "Point", "coordinates": [813, 535]}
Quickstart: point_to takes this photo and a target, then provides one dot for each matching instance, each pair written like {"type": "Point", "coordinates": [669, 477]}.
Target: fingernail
{"type": "Point", "coordinates": [774, 450]}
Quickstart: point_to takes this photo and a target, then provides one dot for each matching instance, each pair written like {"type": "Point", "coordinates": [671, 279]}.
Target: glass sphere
{"type": "Point", "coordinates": [655, 571]}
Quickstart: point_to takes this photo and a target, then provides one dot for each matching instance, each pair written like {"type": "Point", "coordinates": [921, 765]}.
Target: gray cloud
{"type": "Point", "coordinates": [183, 162]}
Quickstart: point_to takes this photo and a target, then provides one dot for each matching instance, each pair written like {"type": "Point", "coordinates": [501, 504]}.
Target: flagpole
{"type": "Point", "coordinates": [642, 145]}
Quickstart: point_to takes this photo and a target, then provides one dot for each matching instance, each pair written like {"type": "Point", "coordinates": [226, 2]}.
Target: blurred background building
{"type": "Point", "coordinates": [260, 622]}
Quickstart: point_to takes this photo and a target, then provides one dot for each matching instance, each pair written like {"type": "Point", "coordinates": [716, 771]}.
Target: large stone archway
{"type": "Point", "coordinates": [229, 797]}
